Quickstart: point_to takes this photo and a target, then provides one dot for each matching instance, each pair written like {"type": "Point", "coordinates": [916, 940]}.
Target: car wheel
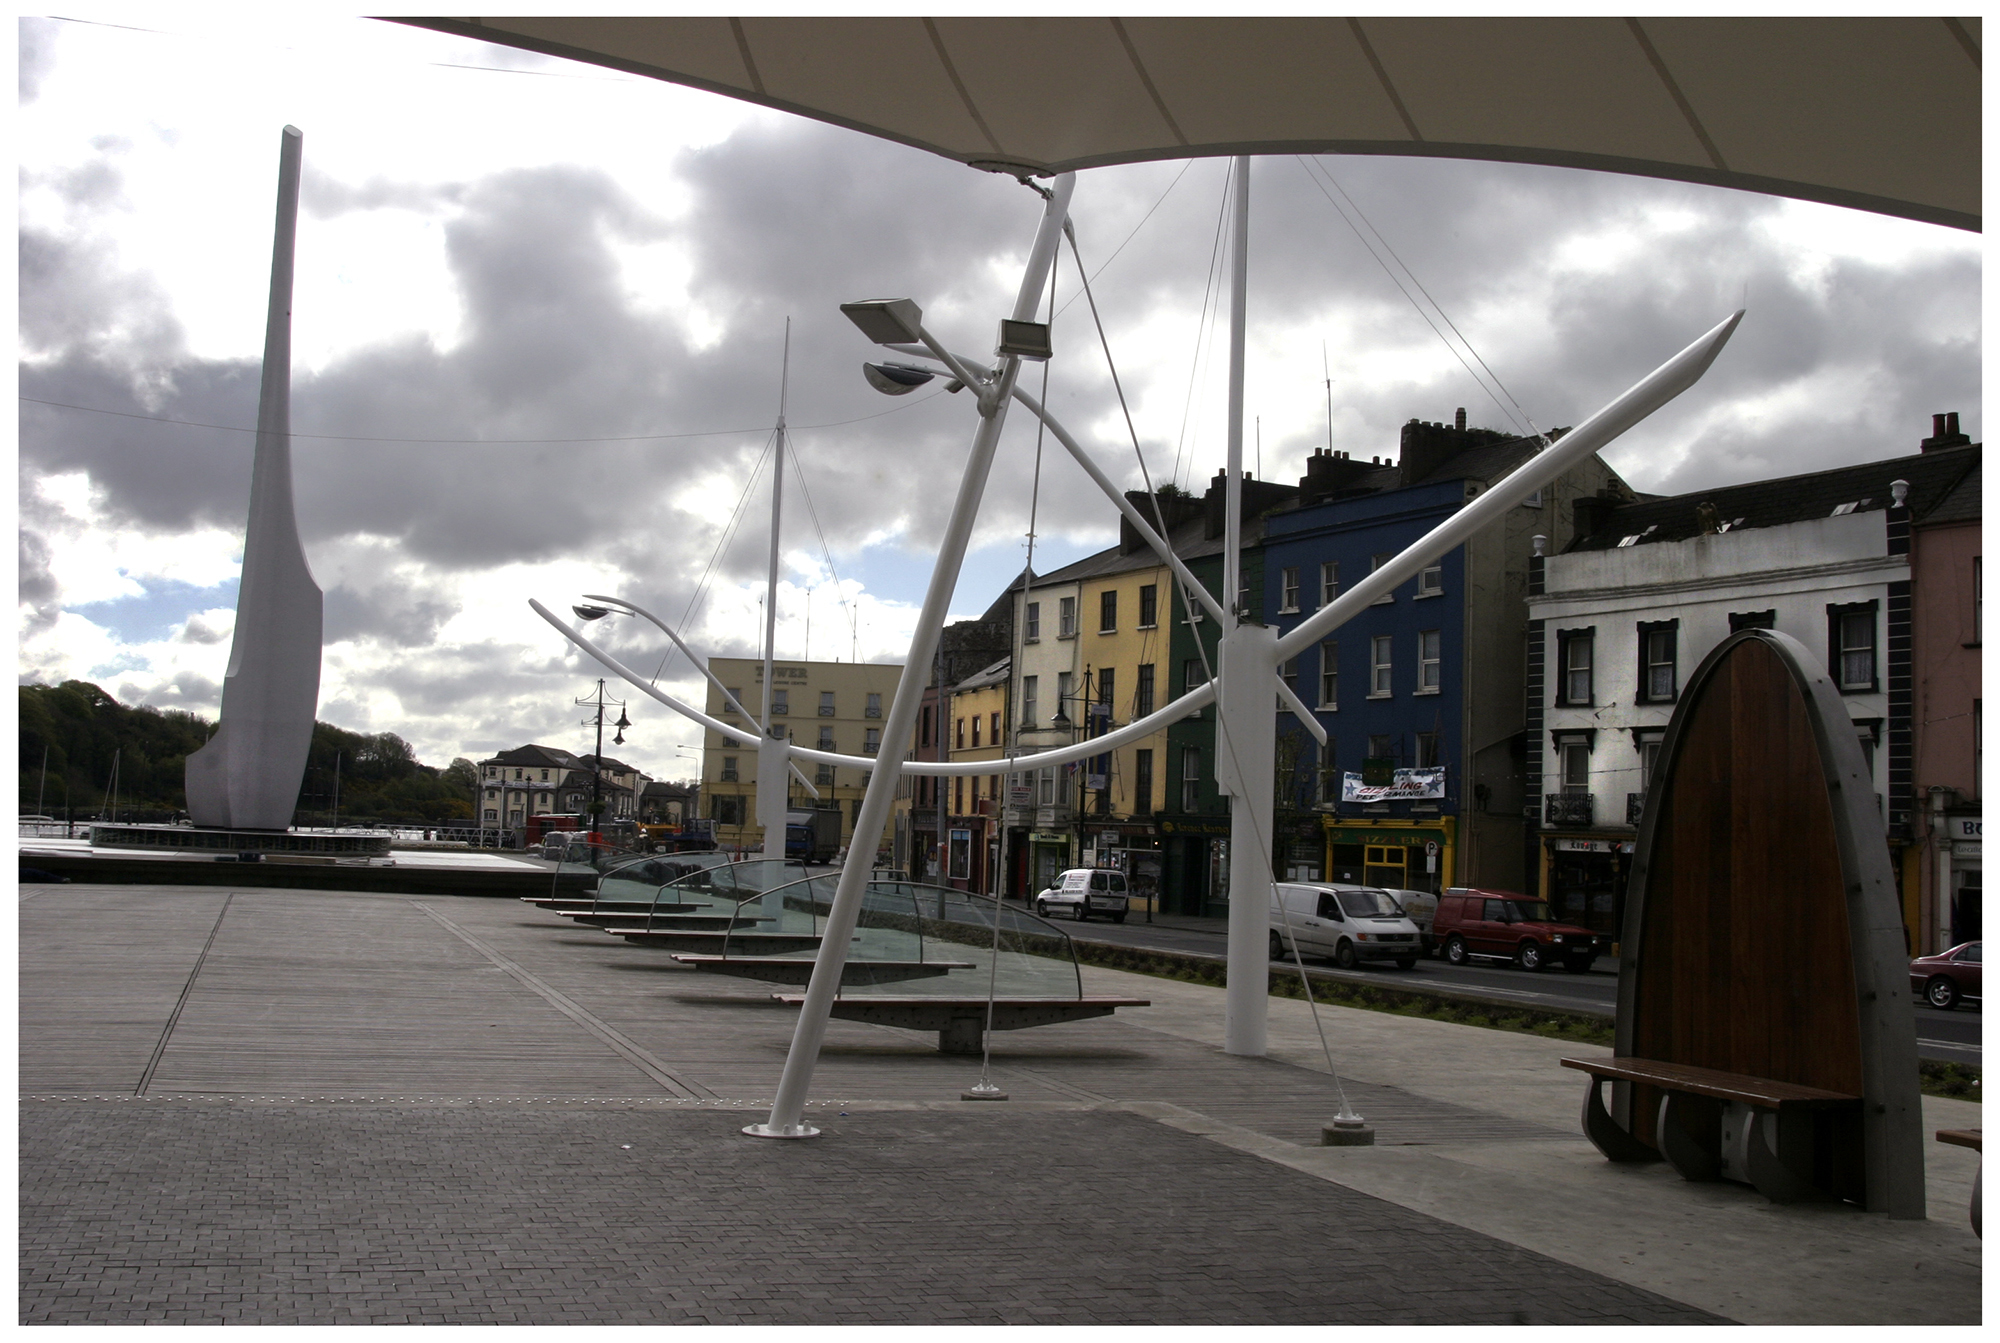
{"type": "Point", "coordinates": [1530, 957]}
{"type": "Point", "coordinates": [1406, 962]}
{"type": "Point", "coordinates": [1082, 911]}
{"type": "Point", "coordinates": [1277, 946]}
{"type": "Point", "coordinates": [1941, 993]}
{"type": "Point", "coordinates": [1454, 950]}
{"type": "Point", "coordinates": [1041, 909]}
{"type": "Point", "coordinates": [1343, 955]}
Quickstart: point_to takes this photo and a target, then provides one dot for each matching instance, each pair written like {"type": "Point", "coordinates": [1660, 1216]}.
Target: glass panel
{"type": "Point", "coordinates": [1363, 904]}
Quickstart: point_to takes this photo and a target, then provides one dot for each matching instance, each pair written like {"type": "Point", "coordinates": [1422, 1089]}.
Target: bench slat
{"type": "Point", "coordinates": [1961, 1137]}
{"type": "Point", "coordinates": [1760, 1091]}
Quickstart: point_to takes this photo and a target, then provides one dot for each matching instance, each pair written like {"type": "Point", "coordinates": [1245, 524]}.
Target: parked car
{"type": "Point", "coordinates": [1513, 927]}
{"type": "Point", "coordinates": [1347, 924]}
{"type": "Point", "coordinates": [1084, 891]}
{"type": "Point", "coordinates": [1948, 977]}
{"type": "Point", "coordinates": [1421, 906]}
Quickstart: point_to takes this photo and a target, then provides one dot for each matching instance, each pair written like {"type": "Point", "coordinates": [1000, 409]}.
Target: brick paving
{"type": "Point", "coordinates": [180, 1211]}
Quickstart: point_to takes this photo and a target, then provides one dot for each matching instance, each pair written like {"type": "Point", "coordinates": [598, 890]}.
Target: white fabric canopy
{"type": "Point", "coordinates": [1879, 114]}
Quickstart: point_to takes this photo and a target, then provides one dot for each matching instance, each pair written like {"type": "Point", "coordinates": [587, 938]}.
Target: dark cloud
{"type": "Point", "coordinates": [38, 589]}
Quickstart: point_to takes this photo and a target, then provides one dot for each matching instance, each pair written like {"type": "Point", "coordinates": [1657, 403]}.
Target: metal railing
{"type": "Point", "coordinates": [1567, 809]}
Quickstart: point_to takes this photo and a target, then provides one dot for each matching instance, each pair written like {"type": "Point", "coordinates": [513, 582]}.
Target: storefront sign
{"type": "Point", "coordinates": [1341, 833]}
{"type": "Point", "coordinates": [1403, 784]}
{"type": "Point", "coordinates": [1963, 827]}
{"type": "Point", "coordinates": [1590, 846]}
{"type": "Point", "coordinates": [1195, 828]}
{"type": "Point", "coordinates": [1961, 852]}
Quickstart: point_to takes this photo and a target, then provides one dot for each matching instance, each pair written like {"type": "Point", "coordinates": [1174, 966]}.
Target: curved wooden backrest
{"type": "Point", "coordinates": [1762, 933]}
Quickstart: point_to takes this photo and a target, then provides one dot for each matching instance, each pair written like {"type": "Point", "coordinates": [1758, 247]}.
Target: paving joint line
{"type": "Point", "coordinates": [620, 1044]}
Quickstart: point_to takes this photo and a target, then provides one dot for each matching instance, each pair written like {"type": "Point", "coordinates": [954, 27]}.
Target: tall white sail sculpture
{"type": "Point", "coordinates": [1249, 654]}
{"type": "Point", "coordinates": [247, 777]}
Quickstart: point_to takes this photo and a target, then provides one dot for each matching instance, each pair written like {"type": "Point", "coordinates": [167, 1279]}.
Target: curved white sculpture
{"type": "Point", "coordinates": [247, 777]}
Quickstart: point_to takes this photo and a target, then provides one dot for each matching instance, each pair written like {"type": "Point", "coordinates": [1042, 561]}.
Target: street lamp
{"type": "Point", "coordinates": [597, 759]}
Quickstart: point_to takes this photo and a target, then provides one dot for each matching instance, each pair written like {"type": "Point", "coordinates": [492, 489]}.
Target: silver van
{"type": "Point", "coordinates": [1084, 891]}
{"type": "Point", "coordinates": [1422, 907]}
{"type": "Point", "coordinates": [1347, 924]}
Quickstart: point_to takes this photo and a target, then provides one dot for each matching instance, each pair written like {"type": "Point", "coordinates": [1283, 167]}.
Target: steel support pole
{"type": "Point", "coordinates": [788, 1107]}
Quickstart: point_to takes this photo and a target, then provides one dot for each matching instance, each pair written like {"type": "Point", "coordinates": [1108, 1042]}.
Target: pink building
{"type": "Point", "coordinates": [1945, 709]}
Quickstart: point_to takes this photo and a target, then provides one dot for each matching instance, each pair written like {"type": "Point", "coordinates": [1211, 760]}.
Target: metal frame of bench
{"type": "Point", "coordinates": [1716, 1125]}
{"type": "Point", "coordinates": [1969, 1137]}
{"type": "Point", "coordinates": [961, 1022]}
{"type": "Point", "coordinates": [786, 970]}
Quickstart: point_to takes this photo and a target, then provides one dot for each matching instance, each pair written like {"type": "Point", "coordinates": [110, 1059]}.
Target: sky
{"type": "Point", "coordinates": [540, 327]}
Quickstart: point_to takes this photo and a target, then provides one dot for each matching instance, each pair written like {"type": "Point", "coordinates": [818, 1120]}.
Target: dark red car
{"type": "Point", "coordinates": [1471, 922]}
{"type": "Point", "coordinates": [1945, 978]}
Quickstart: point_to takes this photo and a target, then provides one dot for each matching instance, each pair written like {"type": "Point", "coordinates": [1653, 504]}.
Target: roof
{"type": "Point", "coordinates": [979, 680]}
{"type": "Point", "coordinates": [536, 755]}
{"type": "Point", "coordinates": [1960, 505]}
{"type": "Point", "coordinates": [1933, 477]}
{"type": "Point", "coordinates": [1889, 119]}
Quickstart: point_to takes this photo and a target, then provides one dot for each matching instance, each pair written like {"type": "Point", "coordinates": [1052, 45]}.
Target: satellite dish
{"type": "Point", "coordinates": [896, 379]}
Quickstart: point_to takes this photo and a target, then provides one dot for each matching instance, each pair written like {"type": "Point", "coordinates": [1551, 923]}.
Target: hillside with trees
{"type": "Point", "coordinates": [74, 736]}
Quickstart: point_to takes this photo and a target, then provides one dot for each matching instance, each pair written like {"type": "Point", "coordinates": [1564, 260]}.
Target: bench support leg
{"type": "Point", "coordinates": [1605, 1133]}
{"type": "Point", "coordinates": [962, 1036]}
{"type": "Point", "coordinates": [1690, 1135]}
{"type": "Point", "coordinates": [1777, 1156]}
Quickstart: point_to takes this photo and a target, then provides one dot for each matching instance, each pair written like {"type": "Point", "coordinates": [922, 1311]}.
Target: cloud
{"type": "Point", "coordinates": [37, 41]}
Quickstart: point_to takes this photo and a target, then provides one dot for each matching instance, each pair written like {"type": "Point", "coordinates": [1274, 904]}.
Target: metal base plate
{"type": "Point", "coordinates": [781, 1131]}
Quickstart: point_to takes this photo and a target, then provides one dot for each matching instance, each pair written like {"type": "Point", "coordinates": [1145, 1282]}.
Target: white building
{"type": "Point", "coordinates": [1621, 618]}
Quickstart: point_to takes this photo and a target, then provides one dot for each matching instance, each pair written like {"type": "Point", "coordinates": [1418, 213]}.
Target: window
{"type": "Point", "coordinates": [1107, 611]}
{"type": "Point", "coordinates": [1430, 582]}
{"type": "Point", "coordinates": [1869, 732]}
{"type": "Point", "coordinates": [1329, 675]}
{"type": "Point", "coordinates": [1659, 676]}
{"type": "Point", "coordinates": [1649, 759]}
{"type": "Point", "coordinates": [1427, 749]}
{"type": "Point", "coordinates": [975, 729]}
{"type": "Point", "coordinates": [1573, 762]}
{"type": "Point", "coordinates": [1328, 781]}
{"type": "Point", "coordinates": [780, 700]}
{"type": "Point", "coordinates": [958, 796]}
{"type": "Point", "coordinates": [958, 733]}
{"type": "Point", "coordinates": [1380, 656]}
{"type": "Point", "coordinates": [1142, 702]}
{"type": "Point", "coordinates": [726, 810]}
{"type": "Point", "coordinates": [1065, 692]}
{"type": "Point", "coordinates": [492, 814]}
{"type": "Point", "coordinates": [1031, 628]}
{"type": "Point", "coordinates": [994, 735]}
{"type": "Point", "coordinates": [735, 695]}
{"type": "Point", "coordinates": [1030, 687]}
{"type": "Point", "coordinates": [1753, 620]}
{"type": "Point", "coordinates": [926, 722]}
{"type": "Point", "coordinates": [826, 704]}
{"type": "Point", "coordinates": [1149, 605]}
{"type": "Point", "coordinates": [1066, 618]}
{"type": "Point", "coordinates": [872, 742]}
{"type": "Point", "coordinates": [1045, 786]}
{"type": "Point", "coordinates": [729, 769]}
{"type": "Point", "coordinates": [1191, 674]}
{"type": "Point", "coordinates": [874, 704]}
{"type": "Point", "coordinates": [1376, 562]}
{"type": "Point", "coordinates": [1430, 661]}
{"type": "Point", "coordinates": [545, 776]}
{"type": "Point", "coordinates": [1190, 778]}
{"type": "Point", "coordinates": [1329, 581]}
{"type": "Point", "coordinates": [1851, 641]}
{"type": "Point", "coordinates": [825, 737]}
{"type": "Point", "coordinates": [1380, 748]}
{"type": "Point", "coordinates": [1288, 588]}
{"type": "Point", "coordinates": [824, 775]}
{"type": "Point", "coordinates": [1107, 689]}
{"type": "Point", "coordinates": [1574, 663]}
{"type": "Point", "coordinates": [1142, 783]}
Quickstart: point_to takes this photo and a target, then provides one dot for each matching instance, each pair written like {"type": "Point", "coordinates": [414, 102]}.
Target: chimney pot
{"type": "Point", "coordinates": [1937, 426]}
{"type": "Point", "coordinates": [1951, 423]}
{"type": "Point", "coordinates": [1460, 425]}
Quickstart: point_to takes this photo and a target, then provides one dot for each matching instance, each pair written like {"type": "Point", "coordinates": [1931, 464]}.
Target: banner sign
{"type": "Point", "coordinates": [1403, 784]}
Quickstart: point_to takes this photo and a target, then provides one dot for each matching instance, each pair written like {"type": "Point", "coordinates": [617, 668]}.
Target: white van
{"type": "Point", "coordinates": [1422, 907]}
{"type": "Point", "coordinates": [1084, 891]}
{"type": "Point", "coordinates": [1348, 924]}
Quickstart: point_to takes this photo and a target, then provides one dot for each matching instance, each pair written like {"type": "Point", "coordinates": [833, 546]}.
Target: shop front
{"type": "Point", "coordinates": [1391, 853]}
{"type": "Point", "coordinates": [1194, 859]}
{"type": "Point", "coordinates": [1584, 879]}
{"type": "Point", "coordinates": [1048, 855]}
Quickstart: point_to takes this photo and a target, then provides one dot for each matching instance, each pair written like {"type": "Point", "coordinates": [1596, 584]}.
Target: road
{"type": "Point", "coordinates": [1952, 1037]}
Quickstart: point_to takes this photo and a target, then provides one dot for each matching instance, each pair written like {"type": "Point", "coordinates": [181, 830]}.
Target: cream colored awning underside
{"type": "Point", "coordinates": [1880, 114]}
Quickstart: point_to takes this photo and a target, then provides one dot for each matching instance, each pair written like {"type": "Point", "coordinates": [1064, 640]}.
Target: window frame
{"type": "Point", "coordinates": [1107, 611]}
{"type": "Point", "coordinates": [1381, 669]}
{"type": "Point", "coordinates": [1375, 562]}
{"type": "Point", "coordinates": [1430, 669]}
{"type": "Point", "coordinates": [1066, 618]}
{"type": "Point", "coordinates": [1288, 591]}
{"type": "Point", "coordinates": [1329, 676]}
{"type": "Point", "coordinates": [1031, 623]}
{"type": "Point", "coordinates": [1143, 693]}
{"type": "Point", "coordinates": [1648, 631]}
{"type": "Point", "coordinates": [1430, 580]}
{"type": "Point", "coordinates": [1149, 606]}
{"type": "Point", "coordinates": [1329, 581]}
{"type": "Point", "coordinates": [1565, 640]}
{"type": "Point", "coordinates": [1837, 617]}
{"type": "Point", "coordinates": [1031, 689]}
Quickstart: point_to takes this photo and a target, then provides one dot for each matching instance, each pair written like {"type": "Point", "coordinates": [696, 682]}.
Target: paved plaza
{"type": "Point", "coordinates": [244, 1106]}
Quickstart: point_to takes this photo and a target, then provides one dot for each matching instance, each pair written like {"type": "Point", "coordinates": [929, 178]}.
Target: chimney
{"type": "Point", "coordinates": [1459, 424]}
{"type": "Point", "coordinates": [1591, 512]}
{"type": "Point", "coordinates": [1428, 448]}
{"type": "Point", "coordinates": [1175, 509]}
{"type": "Point", "coordinates": [1259, 498]}
{"type": "Point", "coordinates": [1328, 473]}
{"type": "Point", "coordinates": [1944, 434]}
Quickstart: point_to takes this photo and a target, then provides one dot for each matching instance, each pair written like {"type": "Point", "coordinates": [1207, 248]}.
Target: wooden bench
{"type": "Point", "coordinates": [1968, 1137]}
{"type": "Point", "coordinates": [783, 970]}
{"type": "Point", "coordinates": [961, 1022]}
{"type": "Point", "coordinates": [718, 941]}
{"type": "Point", "coordinates": [1715, 1125]}
{"type": "Point", "coordinates": [684, 918]}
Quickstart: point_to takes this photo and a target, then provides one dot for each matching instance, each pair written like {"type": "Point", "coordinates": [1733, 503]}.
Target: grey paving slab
{"type": "Point", "coordinates": [151, 1211]}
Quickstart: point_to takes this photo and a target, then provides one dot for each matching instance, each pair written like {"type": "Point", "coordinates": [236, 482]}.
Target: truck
{"type": "Point", "coordinates": [812, 836]}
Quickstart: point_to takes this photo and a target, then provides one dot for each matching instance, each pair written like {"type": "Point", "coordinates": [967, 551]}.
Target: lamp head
{"type": "Point", "coordinates": [591, 612]}
{"type": "Point", "coordinates": [887, 321]}
{"type": "Point", "coordinates": [896, 379]}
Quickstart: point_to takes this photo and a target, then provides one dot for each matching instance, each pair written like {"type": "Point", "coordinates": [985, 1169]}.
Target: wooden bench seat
{"type": "Point", "coordinates": [961, 1022]}
{"type": "Point", "coordinates": [669, 916]}
{"type": "Point", "coordinates": [1717, 1125]}
{"type": "Point", "coordinates": [783, 970]}
{"type": "Point", "coordinates": [1968, 1137]}
{"type": "Point", "coordinates": [735, 943]}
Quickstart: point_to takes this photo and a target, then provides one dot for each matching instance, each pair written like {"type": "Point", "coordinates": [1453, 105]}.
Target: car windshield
{"type": "Point", "coordinates": [1530, 911]}
{"type": "Point", "coordinates": [1369, 904]}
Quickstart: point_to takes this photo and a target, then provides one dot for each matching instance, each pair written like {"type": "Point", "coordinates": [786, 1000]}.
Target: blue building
{"type": "Point", "coordinates": [1422, 784]}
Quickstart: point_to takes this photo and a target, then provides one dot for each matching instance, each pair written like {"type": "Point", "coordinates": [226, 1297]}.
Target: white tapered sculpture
{"type": "Point", "coordinates": [247, 777]}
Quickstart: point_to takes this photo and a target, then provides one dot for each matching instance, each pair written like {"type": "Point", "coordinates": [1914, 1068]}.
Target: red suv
{"type": "Point", "coordinates": [1513, 927]}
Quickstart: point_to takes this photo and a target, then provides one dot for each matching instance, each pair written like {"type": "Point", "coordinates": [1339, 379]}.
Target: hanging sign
{"type": "Point", "coordinates": [1402, 784]}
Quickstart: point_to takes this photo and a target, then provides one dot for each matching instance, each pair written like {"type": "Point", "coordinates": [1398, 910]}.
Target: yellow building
{"type": "Point", "coordinates": [829, 706]}
{"type": "Point", "coordinates": [976, 721]}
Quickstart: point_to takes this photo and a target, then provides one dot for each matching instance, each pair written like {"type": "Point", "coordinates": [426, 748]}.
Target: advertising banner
{"type": "Point", "coordinates": [1404, 784]}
